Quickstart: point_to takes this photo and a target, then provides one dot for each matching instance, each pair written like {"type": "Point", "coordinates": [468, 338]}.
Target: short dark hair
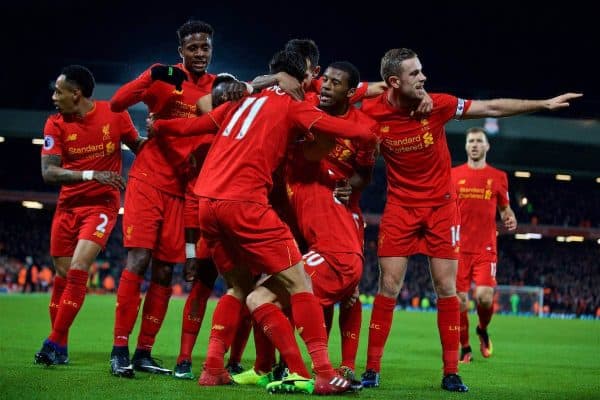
{"type": "Point", "coordinates": [288, 61]}
{"type": "Point", "coordinates": [80, 76]}
{"type": "Point", "coordinates": [477, 129]}
{"type": "Point", "coordinates": [193, 26]}
{"type": "Point", "coordinates": [218, 88]}
{"type": "Point", "coordinates": [306, 47]}
{"type": "Point", "coordinates": [223, 77]}
{"type": "Point", "coordinates": [392, 60]}
{"type": "Point", "coordinates": [350, 69]}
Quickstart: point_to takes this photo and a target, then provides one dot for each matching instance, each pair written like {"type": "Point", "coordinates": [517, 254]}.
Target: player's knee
{"type": "Point", "coordinates": [485, 301]}
{"type": "Point", "coordinates": [138, 261]}
{"type": "Point", "coordinates": [255, 300]}
{"type": "Point", "coordinates": [484, 296]}
{"type": "Point", "coordinates": [62, 270]}
{"type": "Point", "coordinates": [445, 288]}
{"type": "Point", "coordinates": [390, 285]}
{"type": "Point", "coordinates": [80, 265]}
{"type": "Point", "coordinates": [463, 301]}
{"type": "Point", "coordinates": [207, 273]}
{"type": "Point", "coordinates": [162, 274]}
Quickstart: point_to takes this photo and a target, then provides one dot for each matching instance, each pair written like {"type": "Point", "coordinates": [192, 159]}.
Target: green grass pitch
{"type": "Point", "coordinates": [533, 358]}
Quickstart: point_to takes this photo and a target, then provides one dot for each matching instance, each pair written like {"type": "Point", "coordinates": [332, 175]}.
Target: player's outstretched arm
{"type": "Point", "coordinates": [130, 93]}
{"type": "Point", "coordinates": [54, 174]}
{"type": "Point", "coordinates": [184, 126]}
{"type": "Point", "coordinates": [507, 107]}
{"type": "Point", "coordinates": [169, 74]}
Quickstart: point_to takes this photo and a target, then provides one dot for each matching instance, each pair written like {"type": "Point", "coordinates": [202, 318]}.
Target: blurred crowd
{"type": "Point", "coordinates": [568, 272]}
{"type": "Point", "coordinates": [540, 200]}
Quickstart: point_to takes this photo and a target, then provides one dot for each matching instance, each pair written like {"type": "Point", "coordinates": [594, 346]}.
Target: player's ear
{"type": "Point", "coordinates": [76, 95]}
{"type": "Point", "coordinates": [351, 93]}
{"type": "Point", "coordinates": [180, 51]}
{"type": "Point", "coordinates": [394, 81]}
{"type": "Point", "coordinates": [316, 71]}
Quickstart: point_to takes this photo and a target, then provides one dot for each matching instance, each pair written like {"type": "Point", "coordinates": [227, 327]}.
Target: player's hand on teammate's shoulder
{"type": "Point", "coordinates": [150, 119]}
{"type": "Point", "coordinates": [350, 301]}
{"type": "Point", "coordinates": [424, 108]}
{"type": "Point", "coordinates": [169, 74]}
{"type": "Point", "coordinates": [342, 191]}
{"type": "Point", "coordinates": [109, 178]}
{"type": "Point", "coordinates": [231, 91]}
{"type": "Point", "coordinates": [290, 85]}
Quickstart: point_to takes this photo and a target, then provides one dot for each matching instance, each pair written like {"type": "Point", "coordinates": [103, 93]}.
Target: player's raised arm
{"type": "Point", "coordinates": [508, 107]}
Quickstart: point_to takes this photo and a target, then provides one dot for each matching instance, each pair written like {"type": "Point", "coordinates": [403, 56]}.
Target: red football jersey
{"type": "Point", "coordinates": [416, 151]}
{"type": "Point", "coordinates": [159, 163]}
{"type": "Point", "coordinates": [310, 191]}
{"type": "Point", "coordinates": [324, 222]}
{"type": "Point", "coordinates": [252, 142]}
{"type": "Point", "coordinates": [89, 143]}
{"type": "Point", "coordinates": [480, 192]}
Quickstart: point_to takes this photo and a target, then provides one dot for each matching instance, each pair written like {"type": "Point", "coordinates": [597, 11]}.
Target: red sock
{"type": "Point", "coordinates": [57, 290]}
{"type": "Point", "coordinates": [448, 320]}
{"type": "Point", "coordinates": [128, 305]}
{"type": "Point", "coordinates": [156, 303]}
{"type": "Point", "coordinates": [265, 350]}
{"type": "Point", "coordinates": [464, 329]}
{"type": "Point", "coordinates": [70, 304]}
{"type": "Point", "coordinates": [310, 323]}
{"type": "Point", "coordinates": [379, 329]}
{"type": "Point", "coordinates": [485, 315]}
{"type": "Point", "coordinates": [278, 329]}
{"type": "Point", "coordinates": [241, 337]}
{"type": "Point", "coordinates": [193, 314]}
{"type": "Point", "coordinates": [350, 320]}
{"type": "Point", "coordinates": [225, 320]}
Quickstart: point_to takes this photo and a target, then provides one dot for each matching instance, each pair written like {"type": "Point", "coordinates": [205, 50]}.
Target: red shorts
{"type": "Point", "coordinates": [360, 227]}
{"type": "Point", "coordinates": [201, 247]}
{"type": "Point", "coordinates": [246, 233]}
{"type": "Point", "coordinates": [334, 276]}
{"type": "Point", "coordinates": [153, 220]}
{"type": "Point", "coordinates": [476, 267]}
{"type": "Point", "coordinates": [432, 231]}
{"type": "Point", "coordinates": [190, 210]}
{"type": "Point", "coordinates": [73, 224]}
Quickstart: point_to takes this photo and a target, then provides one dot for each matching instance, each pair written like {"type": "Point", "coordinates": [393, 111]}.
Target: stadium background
{"type": "Point", "coordinates": [498, 50]}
